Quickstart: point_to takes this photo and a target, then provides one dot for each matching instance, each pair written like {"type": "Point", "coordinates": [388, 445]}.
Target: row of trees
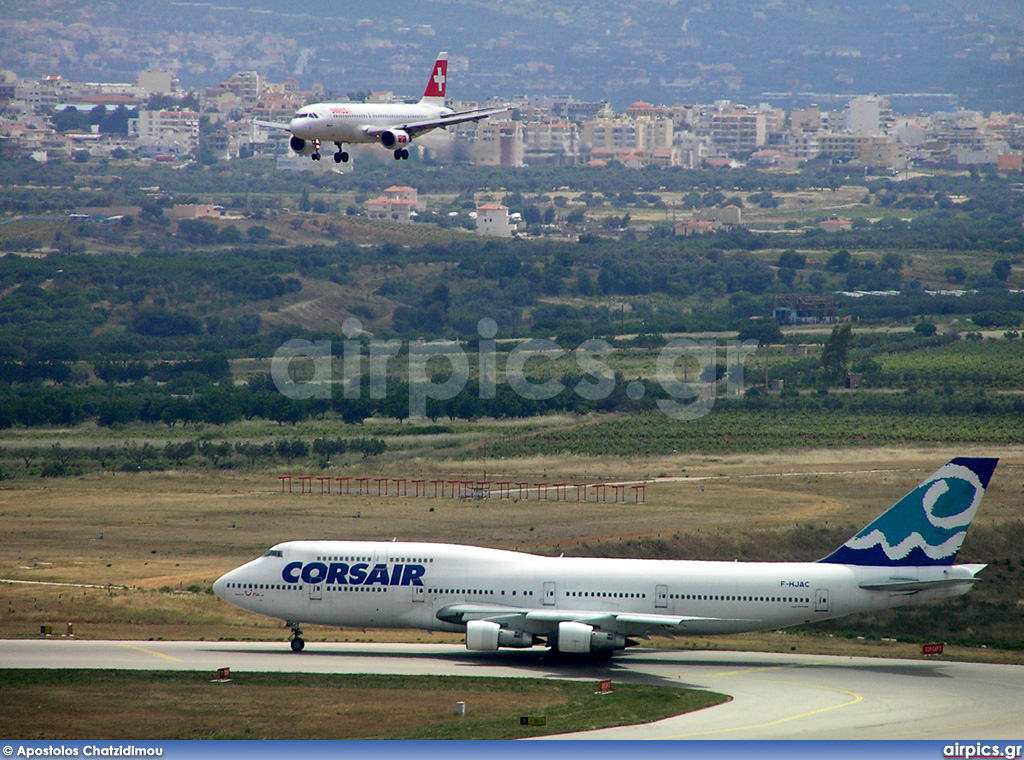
{"type": "Point", "coordinates": [61, 460]}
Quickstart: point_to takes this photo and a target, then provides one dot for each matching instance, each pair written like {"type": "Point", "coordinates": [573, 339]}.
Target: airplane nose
{"type": "Point", "coordinates": [220, 585]}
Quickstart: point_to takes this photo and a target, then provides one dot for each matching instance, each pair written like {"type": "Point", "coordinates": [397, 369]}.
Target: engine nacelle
{"type": "Point", "coordinates": [515, 639]}
{"type": "Point", "coordinates": [302, 147]}
{"type": "Point", "coordinates": [482, 636]}
{"type": "Point", "coordinates": [485, 636]}
{"type": "Point", "coordinates": [574, 638]}
{"type": "Point", "coordinates": [605, 640]}
{"type": "Point", "coordinates": [580, 638]}
{"type": "Point", "coordinates": [394, 138]}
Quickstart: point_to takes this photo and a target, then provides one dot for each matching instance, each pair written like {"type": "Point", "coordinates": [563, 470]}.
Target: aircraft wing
{"type": "Point", "coordinates": [270, 124]}
{"type": "Point", "coordinates": [420, 127]}
{"type": "Point", "coordinates": [544, 622]}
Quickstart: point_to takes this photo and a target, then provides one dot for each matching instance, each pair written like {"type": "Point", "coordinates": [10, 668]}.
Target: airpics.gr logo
{"type": "Point", "coordinates": [688, 397]}
{"type": "Point", "coordinates": [359, 574]}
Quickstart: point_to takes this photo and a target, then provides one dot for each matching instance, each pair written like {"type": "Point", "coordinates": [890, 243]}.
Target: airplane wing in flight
{"type": "Point", "coordinates": [419, 127]}
{"type": "Point", "coordinates": [271, 125]}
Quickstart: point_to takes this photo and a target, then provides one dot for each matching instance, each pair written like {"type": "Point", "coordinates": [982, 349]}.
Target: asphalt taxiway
{"type": "Point", "coordinates": [775, 696]}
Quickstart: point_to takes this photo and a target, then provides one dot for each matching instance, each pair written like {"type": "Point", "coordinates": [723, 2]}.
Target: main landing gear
{"type": "Point", "coordinates": [298, 644]}
{"type": "Point", "coordinates": [341, 157]}
{"type": "Point", "coordinates": [402, 153]}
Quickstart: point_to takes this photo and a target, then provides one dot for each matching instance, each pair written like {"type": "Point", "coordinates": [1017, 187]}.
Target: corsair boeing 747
{"type": "Point", "coordinates": [393, 125]}
{"type": "Point", "coordinates": [584, 605]}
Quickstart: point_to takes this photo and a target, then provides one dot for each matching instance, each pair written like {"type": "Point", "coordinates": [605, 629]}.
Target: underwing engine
{"type": "Point", "coordinates": [580, 638]}
{"type": "Point", "coordinates": [485, 636]}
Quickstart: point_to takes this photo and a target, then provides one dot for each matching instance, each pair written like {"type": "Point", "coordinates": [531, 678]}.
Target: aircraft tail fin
{"type": "Point", "coordinates": [928, 525]}
{"type": "Point", "coordinates": [437, 84]}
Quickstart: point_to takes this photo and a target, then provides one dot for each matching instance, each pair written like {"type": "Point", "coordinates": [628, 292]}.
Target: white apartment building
{"type": "Point", "coordinates": [868, 115]}
{"type": "Point", "coordinates": [158, 82]}
{"type": "Point", "coordinates": [736, 131]}
{"type": "Point", "coordinates": [642, 134]}
{"type": "Point", "coordinates": [43, 94]}
{"type": "Point", "coordinates": [493, 219]}
{"type": "Point", "coordinates": [803, 144]}
{"type": "Point", "coordinates": [170, 132]}
{"type": "Point", "coordinates": [840, 145]}
{"type": "Point", "coordinates": [556, 140]}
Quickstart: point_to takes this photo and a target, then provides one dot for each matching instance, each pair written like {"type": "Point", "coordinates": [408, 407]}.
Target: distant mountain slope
{"type": "Point", "coordinates": [658, 50]}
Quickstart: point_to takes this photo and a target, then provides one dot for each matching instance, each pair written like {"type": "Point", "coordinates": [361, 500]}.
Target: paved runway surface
{"type": "Point", "coordinates": [776, 696]}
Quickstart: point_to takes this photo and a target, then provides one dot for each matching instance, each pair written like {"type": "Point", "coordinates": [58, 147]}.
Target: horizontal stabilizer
{"type": "Point", "coordinates": [966, 576]}
{"type": "Point", "coordinates": [907, 584]}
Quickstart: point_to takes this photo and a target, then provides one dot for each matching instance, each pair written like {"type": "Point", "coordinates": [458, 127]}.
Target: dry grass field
{"type": "Point", "coordinates": [182, 705]}
{"type": "Point", "coordinates": [141, 550]}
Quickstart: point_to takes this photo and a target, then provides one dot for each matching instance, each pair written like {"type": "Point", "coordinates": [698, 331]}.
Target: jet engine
{"type": "Point", "coordinates": [394, 138]}
{"type": "Point", "coordinates": [485, 636]}
{"type": "Point", "coordinates": [302, 147]}
{"type": "Point", "coordinates": [580, 638]}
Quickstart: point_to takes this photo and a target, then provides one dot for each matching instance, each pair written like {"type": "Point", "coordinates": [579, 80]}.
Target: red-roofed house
{"type": "Point", "coordinates": [397, 204]}
{"type": "Point", "coordinates": [492, 219]}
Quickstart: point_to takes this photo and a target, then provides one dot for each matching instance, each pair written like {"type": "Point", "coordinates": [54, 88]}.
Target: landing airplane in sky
{"type": "Point", "coordinates": [392, 125]}
{"type": "Point", "coordinates": [585, 605]}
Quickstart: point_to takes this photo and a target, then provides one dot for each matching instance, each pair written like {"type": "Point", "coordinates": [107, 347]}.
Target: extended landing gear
{"type": "Point", "coordinates": [315, 156]}
{"type": "Point", "coordinates": [298, 644]}
{"type": "Point", "coordinates": [402, 153]}
{"type": "Point", "coordinates": [341, 157]}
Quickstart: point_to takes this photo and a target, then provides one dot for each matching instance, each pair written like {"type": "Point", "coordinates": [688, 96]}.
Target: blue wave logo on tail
{"type": "Point", "coordinates": [928, 525]}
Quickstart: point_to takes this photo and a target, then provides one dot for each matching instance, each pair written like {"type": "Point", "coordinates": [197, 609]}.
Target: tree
{"type": "Point", "coordinates": [840, 261]}
{"type": "Point", "coordinates": [792, 260]}
{"type": "Point", "coordinates": [293, 449]}
{"type": "Point", "coordinates": [765, 332]}
{"type": "Point", "coordinates": [179, 452]}
{"type": "Point", "coordinates": [786, 276]}
{"type": "Point", "coordinates": [1001, 269]}
{"type": "Point", "coordinates": [835, 358]}
{"type": "Point", "coordinates": [70, 119]}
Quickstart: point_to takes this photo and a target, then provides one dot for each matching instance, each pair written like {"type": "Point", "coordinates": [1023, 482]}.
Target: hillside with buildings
{"type": "Point", "coordinates": [929, 52]}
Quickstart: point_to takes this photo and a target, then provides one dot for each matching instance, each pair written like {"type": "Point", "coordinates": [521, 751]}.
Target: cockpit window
{"type": "Point", "coordinates": [274, 553]}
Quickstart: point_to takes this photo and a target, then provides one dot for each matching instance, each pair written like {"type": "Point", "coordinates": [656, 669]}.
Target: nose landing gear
{"type": "Point", "coordinates": [298, 644]}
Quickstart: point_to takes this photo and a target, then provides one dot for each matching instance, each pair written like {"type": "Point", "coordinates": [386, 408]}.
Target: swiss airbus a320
{"type": "Point", "coordinates": [598, 606]}
{"type": "Point", "coordinates": [393, 125]}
